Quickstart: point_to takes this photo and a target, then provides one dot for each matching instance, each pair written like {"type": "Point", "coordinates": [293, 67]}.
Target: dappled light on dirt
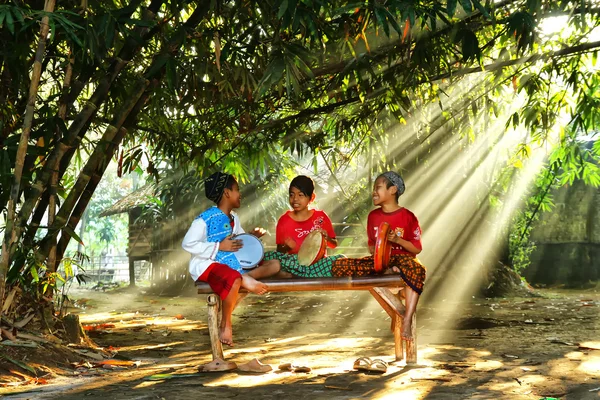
{"type": "Point", "coordinates": [524, 348]}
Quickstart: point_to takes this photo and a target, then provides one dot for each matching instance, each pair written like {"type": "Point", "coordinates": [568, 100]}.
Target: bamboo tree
{"type": "Point", "coordinates": [77, 130]}
{"type": "Point", "coordinates": [98, 161]}
{"type": "Point", "coordinates": [10, 235]}
{"type": "Point", "coordinates": [129, 50]}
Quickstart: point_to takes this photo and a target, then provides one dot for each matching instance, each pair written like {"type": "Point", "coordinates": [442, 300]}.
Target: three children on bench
{"type": "Point", "coordinates": [210, 242]}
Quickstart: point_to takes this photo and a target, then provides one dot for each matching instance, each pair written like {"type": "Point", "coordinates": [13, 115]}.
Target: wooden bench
{"type": "Point", "coordinates": [378, 286]}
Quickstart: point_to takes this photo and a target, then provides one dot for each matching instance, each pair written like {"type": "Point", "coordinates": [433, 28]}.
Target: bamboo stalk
{"type": "Point", "coordinates": [10, 236]}
{"type": "Point", "coordinates": [98, 156]}
{"type": "Point", "coordinates": [86, 196]}
{"type": "Point", "coordinates": [53, 200]}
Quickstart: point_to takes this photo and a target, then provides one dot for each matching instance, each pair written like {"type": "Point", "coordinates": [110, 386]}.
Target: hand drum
{"type": "Point", "coordinates": [312, 249]}
{"type": "Point", "coordinates": [252, 251]}
{"type": "Point", "coordinates": [383, 248]}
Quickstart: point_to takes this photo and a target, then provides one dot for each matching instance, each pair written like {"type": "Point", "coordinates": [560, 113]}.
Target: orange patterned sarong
{"type": "Point", "coordinates": [411, 269]}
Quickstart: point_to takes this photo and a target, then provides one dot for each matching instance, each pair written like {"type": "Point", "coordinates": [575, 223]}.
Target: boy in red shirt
{"type": "Point", "coordinates": [405, 238]}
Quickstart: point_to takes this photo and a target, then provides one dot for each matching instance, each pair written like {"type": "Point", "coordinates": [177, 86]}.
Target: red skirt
{"type": "Point", "coordinates": [220, 278]}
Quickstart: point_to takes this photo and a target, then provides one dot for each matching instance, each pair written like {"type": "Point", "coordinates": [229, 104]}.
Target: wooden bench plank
{"type": "Point", "coordinates": [319, 284]}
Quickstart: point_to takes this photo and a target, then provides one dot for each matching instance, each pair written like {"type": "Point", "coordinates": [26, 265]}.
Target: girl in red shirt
{"type": "Point", "coordinates": [405, 238]}
{"type": "Point", "coordinates": [293, 227]}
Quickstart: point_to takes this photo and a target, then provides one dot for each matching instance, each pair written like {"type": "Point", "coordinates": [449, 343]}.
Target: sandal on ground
{"type": "Point", "coordinates": [286, 367]}
{"type": "Point", "coordinates": [378, 365]}
{"type": "Point", "coordinates": [362, 364]}
{"type": "Point", "coordinates": [302, 368]}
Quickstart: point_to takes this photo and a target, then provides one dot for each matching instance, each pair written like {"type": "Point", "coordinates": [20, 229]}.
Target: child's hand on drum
{"type": "Point", "coordinates": [259, 232]}
{"type": "Point", "coordinates": [323, 232]}
{"type": "Point", "coordinates": [230, 244]}
{"type": "Point", "coordinates": [391, 236]}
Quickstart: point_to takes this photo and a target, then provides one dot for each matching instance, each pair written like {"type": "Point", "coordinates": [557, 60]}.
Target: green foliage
{"type": "Point", "coordinates": [241, 86]}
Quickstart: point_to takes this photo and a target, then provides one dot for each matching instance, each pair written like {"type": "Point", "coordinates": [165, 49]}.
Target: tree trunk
{"type": "Point", "coordinates": [10, 234]}
{"type": "Point", "coordinates": [52, 203]}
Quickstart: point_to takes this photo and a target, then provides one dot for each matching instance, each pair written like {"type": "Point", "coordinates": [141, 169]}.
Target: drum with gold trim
{"type": "Point", "coordinates": [383, 248]}
{"type": "Point", "coordinates": [312, 249]}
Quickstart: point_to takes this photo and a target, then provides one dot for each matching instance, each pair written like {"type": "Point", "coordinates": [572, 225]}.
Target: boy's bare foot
{"type": "Point", "coordinates": [253, 285]}
{"type": "Point", "coordinates": [407, 329]}
{"type": "Point", "coordinates": [392, 270]}
{"type": "Point", "coordinates": [226, 335]}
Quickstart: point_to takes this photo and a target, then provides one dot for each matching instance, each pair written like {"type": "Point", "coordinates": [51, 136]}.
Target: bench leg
{"type": "Point", "coordinates": [398, 337]}
{"type": "Point", "coordinates": [395, 307]}
{"type": "Point", "coordinates": [214, 315]}
{"type": "Point", "coordinates": [218, 363]}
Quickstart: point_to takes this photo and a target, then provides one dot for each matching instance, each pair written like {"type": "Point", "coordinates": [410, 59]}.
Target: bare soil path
{"type": "Point", "coordinates": [516, 348]}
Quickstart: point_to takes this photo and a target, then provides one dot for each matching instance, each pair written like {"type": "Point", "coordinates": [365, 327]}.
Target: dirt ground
{"type": "Point", "coordinates": [517, 348]}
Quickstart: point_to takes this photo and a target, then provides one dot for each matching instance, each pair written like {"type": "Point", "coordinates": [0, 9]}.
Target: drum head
{"type": "Point", "coordinates": [312, 249]}
{"type": "Point", "coordinates": [252, 251]}
{"type": "Point", "coordinates": [383, 248]}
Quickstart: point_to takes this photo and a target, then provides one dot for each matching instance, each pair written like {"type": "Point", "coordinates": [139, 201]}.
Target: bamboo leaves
{"type": "Point", "coordinates": [521, 25]}
{"type": "Point", "coordinates": [290, 60]}
{"type": "Point", "coordinates": [9, 14]}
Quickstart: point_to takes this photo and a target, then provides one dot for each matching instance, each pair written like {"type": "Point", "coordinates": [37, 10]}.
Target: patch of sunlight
{"type": "Point", "coordinates": [248, 350]}
{"type": "Point", "coordinates": [287, 340]}
{"type": "Point", "coordinates": [488, 365]}
{"type": "Point", "coordinates": [591, 366]}
{"type": "Point", "coordinates": [532, 379]}
{"type": "Point", "coordinates": [574, 355]}
{"type": "Point", "coordinates": [402, 394]}
{"type": "Point", "coordinates": [105, 316]}
{"type": "Point", "coordinates": [187, 354]}
{"type": "Point", "coordinates": [312, 346]}
{"type": "Point", "coordinates": [507, 385]}
{"type": "Point", "coordinates": [252, 380]}
{"type": "Point", "coordinates": [426, 353]}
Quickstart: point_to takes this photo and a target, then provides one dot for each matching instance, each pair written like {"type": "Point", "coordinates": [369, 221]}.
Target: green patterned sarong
{"type": "Point", "coordinates": [289, 263]}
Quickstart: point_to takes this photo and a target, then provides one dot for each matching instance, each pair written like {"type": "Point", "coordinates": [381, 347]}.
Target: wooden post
{"type": "Point", "coordinates": [398, 337]}
{"type": "Point", "coordinates": [131, 271]}
{"type": "Point", "coordinates": [213, 326]}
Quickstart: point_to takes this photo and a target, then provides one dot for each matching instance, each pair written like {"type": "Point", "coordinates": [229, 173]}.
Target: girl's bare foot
{"type": "Point", "coordinates": [253, 285]}
{"type": "Point", "coordinates": [226, 335]}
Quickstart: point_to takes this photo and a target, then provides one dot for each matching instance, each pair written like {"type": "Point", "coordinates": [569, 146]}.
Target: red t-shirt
{"type": "Point", "coordinates": [297, 230]}
{"type": "Point", "coordinates": [401, 221]}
